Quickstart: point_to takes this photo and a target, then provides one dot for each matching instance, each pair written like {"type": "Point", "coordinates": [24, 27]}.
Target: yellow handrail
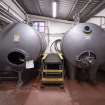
{"type": "Point", "coordinates": [53, 71]}
{"type": "Point", "coordinates": [60, 55]}
{"type": "Point", "coordinates": [44, 56]}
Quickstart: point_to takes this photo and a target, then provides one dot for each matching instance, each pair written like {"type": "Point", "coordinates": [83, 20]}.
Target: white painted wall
{"type": "Point", "coordinates": [58, 27]}
{"type": "Point", "coordinates": [94, 20]}
{"type": "Point", "coordinates": [101, 13]}
{"type": "Point", "coordinates": [98, 19]}
{"type": "Point", "coordinates": [55, 28]}
{"type": "Point", "coordinates": [56, 31]}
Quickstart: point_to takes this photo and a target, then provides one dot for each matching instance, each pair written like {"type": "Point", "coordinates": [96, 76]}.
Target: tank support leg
{"type": "Point", "coordinates": [72, 72]}
{"type": "Point", "coordinates": [20, 81]}
{"type": "Point", "coordinates": [92, 74]}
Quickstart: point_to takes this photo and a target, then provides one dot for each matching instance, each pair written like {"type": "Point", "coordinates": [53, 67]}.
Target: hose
{"type": "Point", "coordinates": [55, 44]}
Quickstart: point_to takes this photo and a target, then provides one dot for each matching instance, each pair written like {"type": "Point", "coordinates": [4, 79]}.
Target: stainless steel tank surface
{"type": "Point", "coordinates": [19, 43]}
{"type": "Point", "coordinates": [84, 47]}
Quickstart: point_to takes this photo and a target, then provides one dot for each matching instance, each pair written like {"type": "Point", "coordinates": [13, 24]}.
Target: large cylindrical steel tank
{"type": "Point", "coordinates": [19, 43]}
{"type": "Point", "coordinates": [84, 47]}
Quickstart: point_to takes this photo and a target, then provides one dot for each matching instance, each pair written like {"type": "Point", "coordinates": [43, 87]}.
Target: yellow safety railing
{"type": "Point", "coordinates": [53, 70]}
{"type": "Point", "coordinates": [60, 56]}
{"type": "Point", "coordinates": [44, 56]}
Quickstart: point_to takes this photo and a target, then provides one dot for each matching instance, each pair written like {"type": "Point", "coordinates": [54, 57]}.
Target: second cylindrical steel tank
{"type": "Point", "coordinates": [84, 47]}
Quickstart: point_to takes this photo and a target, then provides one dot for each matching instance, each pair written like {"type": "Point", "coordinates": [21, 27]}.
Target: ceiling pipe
{"type": "Point", "coordinates": [37, 5]}
{"type": "Point", "coordinates": [6, 8]}
{"type": "Point", "coordinates": [85, 6]}
{"type": "Point", "coordinates": [35, 17]}
{"type": "Point", "coordinates": [5, 19]}
{"type": "Point", "coordinates": [97, 7]}
{"type": "Point", "coordinates": [71, 10]}
{"type": "Point", "coordinates": [81, 11]}
{"type": "Point", "coordinates": [18, 5]}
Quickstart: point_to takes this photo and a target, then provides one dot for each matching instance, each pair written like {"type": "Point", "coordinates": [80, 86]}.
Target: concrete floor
{"type": "Point", "coordinates": [85, 94]}
{"type": "Point", "coordinates": [73, 94]}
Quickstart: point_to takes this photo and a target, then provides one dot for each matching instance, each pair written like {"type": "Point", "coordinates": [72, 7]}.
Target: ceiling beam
{"type": "Point", "coordinates": [34, 17]}
{"type": "Point", "coordinates": [71, 10]}
{"type": "Point", "coordinates": [94, 11]}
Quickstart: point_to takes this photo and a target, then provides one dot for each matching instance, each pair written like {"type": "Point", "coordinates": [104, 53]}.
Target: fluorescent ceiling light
{"type": "Point", "coordinates": [54, 9]}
